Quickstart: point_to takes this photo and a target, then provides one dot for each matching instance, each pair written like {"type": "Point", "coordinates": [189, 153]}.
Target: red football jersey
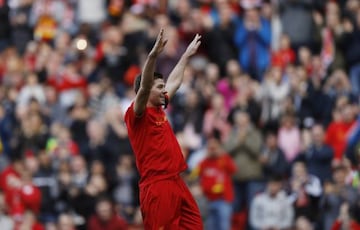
{"type": "Point", "coordinates": [157, 151]}
{"type": "Point", "coordinates": [215, 177]}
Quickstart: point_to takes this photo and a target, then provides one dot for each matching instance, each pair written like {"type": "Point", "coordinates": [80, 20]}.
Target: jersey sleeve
{"type": "Point", "coordinates": [130, 116]}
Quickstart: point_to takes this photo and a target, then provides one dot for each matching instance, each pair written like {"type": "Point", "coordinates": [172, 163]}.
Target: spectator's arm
{"type": "Point", "coordinates": [257, 214]}
{"type": "Point", "coordinates": [264, 34]}
{"type": "Point", "coordinates": [240, 34]}
{"type": "Point", "coordinates": [232, 143]}
{"type": "Point", "coordinates": [314, 187]}
{"type": "Point", "coordinates": [252, 144]}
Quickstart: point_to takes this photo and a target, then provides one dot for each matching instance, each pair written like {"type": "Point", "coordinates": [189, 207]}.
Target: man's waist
{"type": "Point", "coordinates": [146, 180]}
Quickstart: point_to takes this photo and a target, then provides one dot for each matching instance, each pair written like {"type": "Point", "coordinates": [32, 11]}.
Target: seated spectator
{"type": "Point", "coordinates": [105, 217]}
{"type": "Point", "coordinates": [271, 209]}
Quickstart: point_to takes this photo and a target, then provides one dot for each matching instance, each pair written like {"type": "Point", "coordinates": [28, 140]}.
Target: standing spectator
{"type": "Point", "coordinates": [21, 30]}
{"type": "Point", "coordinates": [305, 192]}
{"type": "Point", "coordinates": [105, 217]}
{"type": "Point", "coordinates": [335, 194]}
{"type": "Point", "coordinates": [126, 190]}
{"type": "Point", "coordinates": [215, 174]}
{"type": "Point", "coordinates": [272, 157]}
{"type": "Point", "coordinates": [272, 94]}
{"type": "Point", "coordinates": [318, 155]}
{"type": "Point", "coordinates": [271, 209]}
{"type": "Point", "coordinates": [45, 180]}
{"type": "Point", "coordinates": [31, 90]}
{"type": "Point", "coordinates": [252, 38]}
{"type": "Point", "coordinates": [244, 145]}
{"type": "Point", "coordinates": [285, 55]}
{"type": "Point", "coordinates": [215, 117]}
{"type": "Point", "coordinates": [338, 130]}
{"type": "Point", "coordinates": [219, 38]}
{"type": "Point", "coordinates": [349, 218]}
{"type": "Point", "coordinates": [228, 86]}
{"type": "Point", "coordinates": [352, 50]}
{"type": "Point", "coordinates": [289, 138]}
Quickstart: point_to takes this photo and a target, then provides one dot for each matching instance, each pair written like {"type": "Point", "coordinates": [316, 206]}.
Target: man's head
{"type": "Point", "coordinates": [274, 185]}
{"type": "Point", "coordinates": [104, 209]}
{"type": "Point", "coordinates": [158, 95]}
{"type": "Point", "coordinates": [214, 144]}
{"type": "Point", "coordinates": [271, 140]}
{"type": "Point", "coordinates": [318, 134]}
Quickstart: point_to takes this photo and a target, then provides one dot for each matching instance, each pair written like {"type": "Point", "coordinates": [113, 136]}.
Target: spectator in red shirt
{"type": "Point", "coordinates": [215, 174]}
{"type": "Point", "coordinates": [105, 218]}
{"type": "Point", "coordinates": [338, 131]}
{"type": "Point", "coordinates": [285, 55]}
{"type": "Point", "coordinates": [349, 218]}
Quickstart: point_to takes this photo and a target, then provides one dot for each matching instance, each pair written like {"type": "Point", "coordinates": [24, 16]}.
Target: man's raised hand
{"type": "Point", "coordinates": [193, 46]}
{"type": "Point", "coordinates": [159, 44]}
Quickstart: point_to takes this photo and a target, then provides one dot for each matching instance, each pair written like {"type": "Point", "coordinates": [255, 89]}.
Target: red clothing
{"type": "Point", "coordinates": [165, 200]}
{"type": "Point", "coordinates": [20, 198]}
{"type": "Point", "coordinates": [215, 177]}
{"type": "Point", "coordinates": [4, 177]}
{"type": "Point", "coordinates": [115, 223]}
{"type": "Point", "coordinates": [283, 57]}
{"type": "Point", "coordinates": [66, 82]}
{"type": "Point", "coordinates": [353, 225]}
{"type": "Point", "coordinates": [169, 204]}
{"type": "Point", "coordinates": [336, 137]}
{"type": "Point", "coordinates": [158, 154]}
{"type": "Point", "coordinates": [12, 193]}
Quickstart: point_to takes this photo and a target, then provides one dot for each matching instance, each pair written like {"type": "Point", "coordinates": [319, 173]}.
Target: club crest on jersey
{"type": "Point", "coordinates": [160, 120]}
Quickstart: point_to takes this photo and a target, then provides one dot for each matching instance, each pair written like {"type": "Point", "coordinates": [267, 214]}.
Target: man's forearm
{"type": "Point", "coordinates": [176, 76]}
{"type": "Point", "coordinates": [147, 78]}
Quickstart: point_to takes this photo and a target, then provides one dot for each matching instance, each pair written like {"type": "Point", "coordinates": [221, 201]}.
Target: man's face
{"type": "Point", "coordinates": [318, 135]}
{"type": "Point", "coordinates": [104, 211]}
{"type": "Point", "coordinates": [274, 187]}
{"type": "Point", "coordinates": [157, 93]}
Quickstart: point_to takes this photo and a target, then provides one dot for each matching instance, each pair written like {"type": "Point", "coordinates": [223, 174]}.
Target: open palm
{"type": "Point", "coordinates": [193, 46]}
{"type": "Point", "coordinates": [159, 44]}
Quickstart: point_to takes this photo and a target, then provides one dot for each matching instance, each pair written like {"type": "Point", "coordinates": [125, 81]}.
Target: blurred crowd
{"type": "Point", "coordinates": [267, 115]}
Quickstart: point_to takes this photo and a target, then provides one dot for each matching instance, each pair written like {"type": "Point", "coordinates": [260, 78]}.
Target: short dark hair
{"type": "Point", "coordinates": [138, 80]}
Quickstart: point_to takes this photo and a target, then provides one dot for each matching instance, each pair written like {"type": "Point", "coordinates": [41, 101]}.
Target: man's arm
{"type": "Point", "coordinates": [147, 75]}
{"type": "Point", "coordinates": [176, 76]}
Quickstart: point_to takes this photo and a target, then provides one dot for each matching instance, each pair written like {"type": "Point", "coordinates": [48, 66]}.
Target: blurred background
{"type": "Point", "coordinates": [277, 82]}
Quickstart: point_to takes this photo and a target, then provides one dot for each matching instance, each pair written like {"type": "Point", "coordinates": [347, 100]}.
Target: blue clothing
{"type": "Point", "coordinates": [255, 45]}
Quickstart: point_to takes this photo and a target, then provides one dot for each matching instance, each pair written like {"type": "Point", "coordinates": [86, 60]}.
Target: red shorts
{"type": "Point", "coordinates": [168, 204]}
